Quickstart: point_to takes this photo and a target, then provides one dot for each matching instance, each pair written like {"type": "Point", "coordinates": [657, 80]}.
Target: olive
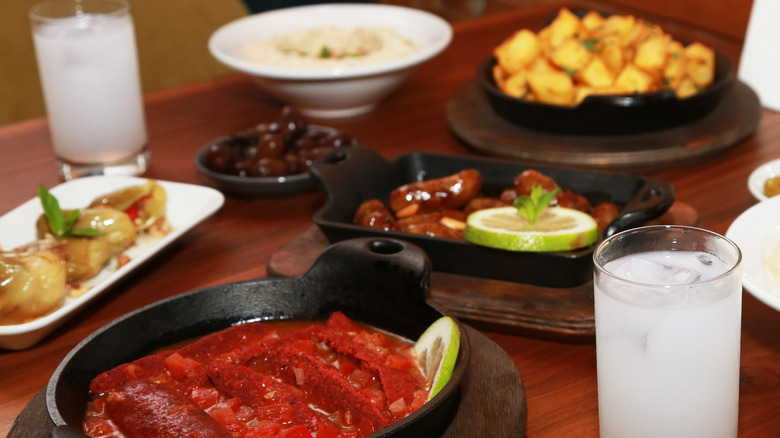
{"type": "Point", "coordinates": [242, 167]}
{"type": "Point", "coordinates": [305, 143]}
{"type": "Point", "coordinates": [269, 167]}
{"type": "Point", "coordinates": [294, 121]}
{"type": "Point", "coordinates": [219, 157]}
{"type": "Point", "coordinates": [338, 139]}
{"type": "Point", "coordinates": [270, 146]}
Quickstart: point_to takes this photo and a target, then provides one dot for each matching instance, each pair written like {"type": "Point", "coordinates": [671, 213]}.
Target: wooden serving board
{"type": "Point", "coordinates": [500, 412]}
{"type": "Point", "coordinates": [736, 117]}
{"type": "Point", "coordinates": [558, 314]}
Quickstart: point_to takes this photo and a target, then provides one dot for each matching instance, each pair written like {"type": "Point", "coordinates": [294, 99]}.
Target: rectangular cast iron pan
{"type": "Point", "coordinates": [350, 176]}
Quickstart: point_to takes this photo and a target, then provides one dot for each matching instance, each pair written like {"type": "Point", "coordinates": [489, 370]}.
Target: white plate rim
{"type": "Point", "coordinates": [755, 232]}
{"type": "Point", "coordinates": [759, 176]}
{"type": "Point", "coordinates": [201, 202]}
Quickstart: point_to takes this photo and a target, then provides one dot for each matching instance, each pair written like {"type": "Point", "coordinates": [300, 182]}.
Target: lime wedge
{"type": "Point", "coordinates": [437, 350]}
{"type": "Point", "coordinates": [556, 229]}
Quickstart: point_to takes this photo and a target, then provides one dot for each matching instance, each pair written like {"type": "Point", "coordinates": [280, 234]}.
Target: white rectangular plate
{"type": "Point", "coordinates": [187, 206]}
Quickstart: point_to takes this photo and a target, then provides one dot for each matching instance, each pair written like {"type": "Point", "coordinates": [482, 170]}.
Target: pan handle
{"type": "Point", "coordinates": [376, 273]}
{"type": "Point", "coordinates": [339, 172]}
{"type": "Point", "coordinates": [66, 432]}
{"type": "Point", "coordinates": [651, 201]}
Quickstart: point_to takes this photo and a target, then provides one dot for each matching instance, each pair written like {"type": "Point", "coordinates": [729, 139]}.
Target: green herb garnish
{"type": "Point", "coordinates": [530, 207]}
{"type": "Point", "coordinates": [59, 224]}
{"type": "Point", "coordinates": [592, 45]}
{"type": "Point", "coordinates": [569, 71]}
{"type": "Point", "coordinates": [325, 52]}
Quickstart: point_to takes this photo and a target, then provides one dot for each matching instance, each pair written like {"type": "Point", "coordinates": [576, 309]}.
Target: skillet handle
{"type": "Point", "coordinates": [339, 172]}
{"type": "Point", "coordinates": [651, 201]}
{"type": "Point", "coordinates": [374, 274]}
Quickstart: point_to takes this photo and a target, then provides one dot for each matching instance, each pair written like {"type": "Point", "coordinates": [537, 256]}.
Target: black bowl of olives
{"type": "Point", "coordinates": [271, 158]}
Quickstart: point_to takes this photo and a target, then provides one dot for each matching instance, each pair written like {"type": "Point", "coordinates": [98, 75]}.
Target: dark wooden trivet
{"type": "Point", "coordinates": [558, 314]}
{"type": "Point", "coordinates": [736, 117]}
{"type": "Point", "coordinates": [493, 402]}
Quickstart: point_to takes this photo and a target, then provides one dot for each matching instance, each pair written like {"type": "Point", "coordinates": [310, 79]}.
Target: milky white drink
{"type": "Point", "coordinates": [89, 72]}
{"type": "Point", "coordinates": [668, 339]}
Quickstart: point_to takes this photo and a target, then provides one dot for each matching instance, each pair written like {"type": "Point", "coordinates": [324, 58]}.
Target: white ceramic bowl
{"type": "Point", "coordinates": [759, 176]}
{"type": "Point", "coordinates": [332, 92]}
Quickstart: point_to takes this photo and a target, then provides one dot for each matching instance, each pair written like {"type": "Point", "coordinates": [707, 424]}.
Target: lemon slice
{"type": "Point", "coordinates": [437, 351]}
{"type": "Point", "coordinates": [556, 229]}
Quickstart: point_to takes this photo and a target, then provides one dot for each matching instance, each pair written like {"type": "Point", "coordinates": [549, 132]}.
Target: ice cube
{"type": "Point", "coordinates": [655, 272]}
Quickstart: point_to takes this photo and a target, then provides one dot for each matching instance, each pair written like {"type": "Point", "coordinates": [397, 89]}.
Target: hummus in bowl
{"type": "Point", "coordinates": [359, 53]}
{"type": "Point", "coordinates": [330, 47]}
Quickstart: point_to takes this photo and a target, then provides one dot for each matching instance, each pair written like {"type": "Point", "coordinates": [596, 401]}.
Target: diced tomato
{"type": "Point", "coordinates": [95, 426]}
{"type": "Point", "coordinates": [132, 211]}
{"type": "Point", "coordinates": [306, 346]}
{"type": "Point", "coordinates": [130, 372]}
{"type": "Point", "coordinates": [346, 367]}
{"type": "Point", "coordinates": [398, 362]}
{"type": "Point", "coordinates": [180, 366]}
{"type": "Point", "coordinates": [265, 429]}
{"type": "Point", "coordinates": [360, 378]}
{"type": "Point", "coordinates": [276, 412]}
{"type": "Point", "coordinates": [96, 406]}
{"type": "Point", "coordinates": [420, 398]}
{"type": "Point", "coordinates": [327, 430]}
{"type": "Point", "coordinates": [205, 397]}
{"type": "Point", "coordinates": [298, 431]}
{"type": "Point", "coordinates": [224, 416]}
{"type": "Point", "coordinates": [245, 413]}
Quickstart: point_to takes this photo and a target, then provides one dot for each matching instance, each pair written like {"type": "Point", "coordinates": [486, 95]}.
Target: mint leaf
{"type": "Point", "coordinates": [60, 225]}
{"type": "Point", "coordinates": [530, 207]}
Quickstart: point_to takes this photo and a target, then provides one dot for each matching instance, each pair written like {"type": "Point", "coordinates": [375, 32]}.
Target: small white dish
{"type": "Point", "coordinates": [759, 176]}
{"type": "Point", "coordinates": [757, 233]}
{"type": "Point", "coordinates": [332, 92]}
{"type": "Point", "coordinates": [187, 206]}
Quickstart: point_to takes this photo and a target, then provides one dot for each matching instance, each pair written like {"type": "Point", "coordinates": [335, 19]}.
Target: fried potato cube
{"type": "Point", "coordinates": [554, 87]}
{"type": "Point", "coordinates": [541, 64]}
{"type": "Point", "coordinates": [592, 21]}
{"type": "Point", "coordinates": [619, 26]}
{"type": "Point", "coordinates": [651, 54]}
{"type": "Point", "coordinates": [613, 57]}
{"type": "Point", "coordinates": [499, 75]}
{"type": "Point", "coordinates": [596, 74]}
{"type": "Point", "coordinates": [676, 68]}
{"type": "Point", "coordinates": [634, 79]}
{"type": "Point", "coordinates": [701, 63]}
{"type": "Point", "coordinates": [565, 25]}
{"type": "Point", "coordinates": [516, 85]}
{"type": "Point", "coordinates": [570, 56]}
{"type": "Point", "coordinates": [517, 51]}
{"type": "Point", "coordinates": [686, 88]}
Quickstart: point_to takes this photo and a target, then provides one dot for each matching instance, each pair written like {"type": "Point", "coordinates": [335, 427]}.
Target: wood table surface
{"type": "Point", "coordinates": [236, 243]}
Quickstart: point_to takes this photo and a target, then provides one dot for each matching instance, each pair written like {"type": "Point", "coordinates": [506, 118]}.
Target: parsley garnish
{"type": "Point", "coordinates": [325, 52]}
{"type": "Point", "coordinates": [592, 44]}
{"type": "Point", "coordinates": [530, 207]}
{"type": "Point", "coordinates": [59, 224]}
{"type": "Point", "coordinates": [569, 71]}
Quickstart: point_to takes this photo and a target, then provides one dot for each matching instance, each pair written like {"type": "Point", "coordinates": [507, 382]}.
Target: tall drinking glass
{"type": "Point", "coordinates": [88, 65]}
{"type": "Point", "coordinates": [668, 321]}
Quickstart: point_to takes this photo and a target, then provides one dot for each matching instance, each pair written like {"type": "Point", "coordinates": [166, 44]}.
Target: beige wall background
{"type": "Point", "coordinates": [171, 34]}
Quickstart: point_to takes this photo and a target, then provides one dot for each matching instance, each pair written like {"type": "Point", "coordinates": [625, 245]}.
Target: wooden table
{"type": "Point", "coordinates": [236, 243]}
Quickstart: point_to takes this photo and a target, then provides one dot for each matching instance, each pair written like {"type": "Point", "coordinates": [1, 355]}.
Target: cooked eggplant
{"type": "Point", "coordinates": [144, 203]}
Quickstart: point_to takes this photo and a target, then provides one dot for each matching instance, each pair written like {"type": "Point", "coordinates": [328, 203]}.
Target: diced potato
{"type": "Point", "coordinates": [592, 21]}
{"type": "Point", "coordinates": [517, 51]}
{"type": "Point", "coordinates": [676, 68]}
{"type": "Point", "coordinates": [620, 26]}
{"type": "Point", "coordinates": [596, 73]}
{"type": "Point", "coordinates": [571, 56]}
{"type": "Point", "coordinates": [516, 85]}
{"type": "Point", "coordinates": [565, 25]}
{"type": "Point", "coordinates": [499, 75]}
{"type": "Point", "coordinates": [613, 57]}
{"type": "Point", "coordinates": [701, 63]}
{"type": "Point", "coordinates": [652, 53]}
{"type": "Point", "coordinates": [541, 64]}
{"type": "Point", "coordinates": [686, 88]}
{"type": "Point", "coordinates": [553, 87]}
{"type": "Point", "coordinates": [633, 79]}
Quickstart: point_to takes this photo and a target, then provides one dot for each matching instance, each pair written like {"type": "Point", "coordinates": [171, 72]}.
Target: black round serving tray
{"type": "Point", "coordinates": [609, 115]}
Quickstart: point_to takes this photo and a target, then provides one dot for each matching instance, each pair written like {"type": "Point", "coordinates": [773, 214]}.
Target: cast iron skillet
{"type": "Point", "coordinates": [382, 282]}
{"type": "Point", "coordinates": [350, 177]}
{"type": "Point", "coordinates": [609, 115]}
